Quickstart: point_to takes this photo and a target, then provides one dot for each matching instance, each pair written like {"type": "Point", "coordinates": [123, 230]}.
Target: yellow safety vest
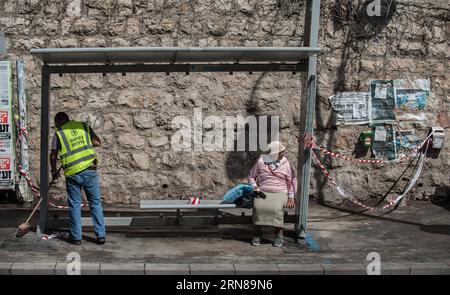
{"type": "Point", "coordinates": [77, 152]}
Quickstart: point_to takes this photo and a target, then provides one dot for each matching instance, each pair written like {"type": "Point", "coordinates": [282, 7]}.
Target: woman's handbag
{"type": "Point", "coordinates": [247, 200]}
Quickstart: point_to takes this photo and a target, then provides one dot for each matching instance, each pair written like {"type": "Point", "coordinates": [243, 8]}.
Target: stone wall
{"type": "Point", "coordinates": [133, 114]}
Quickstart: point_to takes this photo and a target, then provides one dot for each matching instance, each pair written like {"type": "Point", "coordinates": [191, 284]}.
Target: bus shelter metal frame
{"type": "Point", "coordinates": [307, 67]}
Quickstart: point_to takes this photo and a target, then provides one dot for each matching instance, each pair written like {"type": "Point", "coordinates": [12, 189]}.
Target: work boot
{"type": "Point", "coordinates": [278, 241]}
{"type": "Point", "coordinates": [256, 241]}
{"type": "Point", "coordinates": [72, 241]}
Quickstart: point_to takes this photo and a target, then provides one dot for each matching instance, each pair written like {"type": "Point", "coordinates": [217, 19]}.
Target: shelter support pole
{"type": "Point", "coordinates": [308, 97]}
{"type": "Point", "coordinates": [45, 124]}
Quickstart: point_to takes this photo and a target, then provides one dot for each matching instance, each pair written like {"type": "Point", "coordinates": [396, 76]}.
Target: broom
{"type": "Point", "coordinates": [24, 228]}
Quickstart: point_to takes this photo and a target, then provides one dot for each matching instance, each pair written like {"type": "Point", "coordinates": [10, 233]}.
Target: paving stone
{"type": "Point", "coordinates": [430, 268]}
{"type": "Point", "coordinates": [166, 269]}
{"type": "Point", "coordinates": [122, 269]}
{"type": "Point", "coordinates": [212, 269]}
{"type": "Point", "coordinates": [256, 269]}
{"type": "Point", "coordinates": [86, 268]}
{"type": "Point", "coordinates": [300, 269]}
{"type": "Point", "coordinates": [5, 268]}
{"type": "Point", "coordinates": [345, 269]}
{"type": "Point", "coordinates": [25, 268]}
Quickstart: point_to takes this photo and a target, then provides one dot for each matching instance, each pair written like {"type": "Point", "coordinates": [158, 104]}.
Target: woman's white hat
{"type": "Point", "coordinates": [275, 148]}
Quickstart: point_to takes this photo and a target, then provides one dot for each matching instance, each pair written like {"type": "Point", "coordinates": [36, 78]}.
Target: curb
{"type": "Point", "coordinates": [388, 268]}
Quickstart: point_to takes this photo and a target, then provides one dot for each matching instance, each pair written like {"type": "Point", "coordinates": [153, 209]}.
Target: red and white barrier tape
{"type": "Point", "coordinates": [194, 201]}
{"type": "Point", "coordinates": [338, 187]}
{"type": "Point", "coordinates": [36, 190]}
{"type": "Point", "coordinates": [391, 203]}
{"type": "Point", "coordinates": [413, 180]}
{"type": "Point", "coordinates": [309, 142]}
{"type": "Point", "coordinates": [59, 235]}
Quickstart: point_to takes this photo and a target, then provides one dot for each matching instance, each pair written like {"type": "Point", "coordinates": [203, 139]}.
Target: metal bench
{"type": "Point", "coordinates": [182, 204]}
{"type": "Point", "coordinates": [176, 215]}
{"type": "Point", "coordinates": [211, 211]}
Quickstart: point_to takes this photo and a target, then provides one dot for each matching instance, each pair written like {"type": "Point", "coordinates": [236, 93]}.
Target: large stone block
{"type": "Point", "coordinates": [140, 160]}
{"type": "Point", "coordinates": [212, 269]}
{"type": "Point", "coordinates": [388, 268]}
{"type": "Point", "coordinates": [257, 269]}
{"type": "Point", "coordinates": [345, 269]}
{"type": "Point", "coordinates": [25, 268]}
{"type": "Point", "coordinates": [5, 268]}
{"type": "Point", "coordinates": [84, 26]}
{"type": "Point", "coordinates": [166, 269]}
{"type": "Point", "coordinates": [131, 140]}
{"type": "Point", "coordinates": [301, 269]}
{"type": "Point", "coordinates": [122, 269]}
{"type": "Point", "coordinates": [87, 268]}
{"type": "Point", "coordinates": [430, 268]}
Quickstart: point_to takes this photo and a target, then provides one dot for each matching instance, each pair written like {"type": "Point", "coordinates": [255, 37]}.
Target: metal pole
{"type": "Point", "coordinates": [23, 187]}
{"type": "Point", "coordinates": [312, 17]}
{"type": "Point", "coordinates": [45, 122]}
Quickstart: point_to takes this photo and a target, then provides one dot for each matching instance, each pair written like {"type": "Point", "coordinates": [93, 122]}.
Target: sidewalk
{"type": "Point", "coordinates": [411, 240]}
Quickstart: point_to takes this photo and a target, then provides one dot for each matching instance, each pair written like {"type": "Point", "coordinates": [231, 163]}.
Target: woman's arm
{"type": "Point", "coordinates": [253, 175]}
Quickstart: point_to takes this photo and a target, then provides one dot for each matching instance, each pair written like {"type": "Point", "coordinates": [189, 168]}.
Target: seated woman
{"type": "Point", "coordinates": [274, 176]}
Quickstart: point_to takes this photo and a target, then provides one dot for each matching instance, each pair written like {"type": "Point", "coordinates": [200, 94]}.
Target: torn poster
{"type": "Point", "coordinates": [420, 84]}
{"type": "Point", "coordinates": [411, 99]}
{"type": "Point", "coordinates": [383, 146]}
{"type": "Point", "coordinates": [411, 95]}
{"type": "Point", "coordinates": [351, 107]}
{"type": "Point", "coordinates": [383, 100]}
{"type": "Point", "coordinates": [5, 78]}
{"type": "Point", "coordinates": [7, 160]}
{"type": "Point", "coordinates": [380, 133]}
{"type": "Point", "coordinates": [405, 140]}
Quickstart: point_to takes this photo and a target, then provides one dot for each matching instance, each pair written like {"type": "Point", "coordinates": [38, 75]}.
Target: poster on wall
{"type": "Point", "coordinates": [7, 155]}
{"type": "Point", "coordinates": [405, 141]}
{"type": "Point", "coordinates": [5, 146]}
{"type": "Point", "coordinates": [5, 126]}
{"type": "Point", "coordinates": [412, 95]}
{"type": "Point", "coordinates": [411, 99]}
{"type": "Point", "coordinates": [5, 92]}
{"type": "Point", "coordinates": [351, 107]}
{"type": "Point", "coordinates": [383, 100]}
{"type": "Point", "coordinates": [383, 146]}
{"type": "Point", "coordinates": [6, 172]}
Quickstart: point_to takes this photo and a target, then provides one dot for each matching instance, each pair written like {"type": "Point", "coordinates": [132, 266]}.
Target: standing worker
{"type": "Point", "coordinates": [74, 142]}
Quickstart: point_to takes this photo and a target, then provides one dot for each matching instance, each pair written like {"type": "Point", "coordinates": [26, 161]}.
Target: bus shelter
{"type": "Point", "coordinates": [59, 61]}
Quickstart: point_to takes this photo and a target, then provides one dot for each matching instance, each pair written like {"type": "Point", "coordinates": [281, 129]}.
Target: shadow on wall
{"type": "Point", "coordinates": [366, 22]}
{"type": "Point", "coordinates": [239, 163]}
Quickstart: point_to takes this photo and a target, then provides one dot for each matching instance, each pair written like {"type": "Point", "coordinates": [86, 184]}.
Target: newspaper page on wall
{"type": "Point", "coordinates": [7, 181]}
{"type": "Point", "coordinates": [351, 107]}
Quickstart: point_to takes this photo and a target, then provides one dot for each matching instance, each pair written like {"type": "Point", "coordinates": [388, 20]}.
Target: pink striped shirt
{"type": "Point", "coordinates": [284, 179]}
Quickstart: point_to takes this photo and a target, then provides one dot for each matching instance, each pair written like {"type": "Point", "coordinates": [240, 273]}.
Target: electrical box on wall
{"type": "Point", "coordinates": [438, 137]}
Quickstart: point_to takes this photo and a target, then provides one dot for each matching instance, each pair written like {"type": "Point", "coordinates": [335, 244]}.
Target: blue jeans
{"type": "Point", "coordinates": [88, 180]}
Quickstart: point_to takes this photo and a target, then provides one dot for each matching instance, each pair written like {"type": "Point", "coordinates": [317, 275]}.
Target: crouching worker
{"type": "Point", "coordinates": [274, 176]}
{"type": "Point", "coordinates": [74, 142]}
